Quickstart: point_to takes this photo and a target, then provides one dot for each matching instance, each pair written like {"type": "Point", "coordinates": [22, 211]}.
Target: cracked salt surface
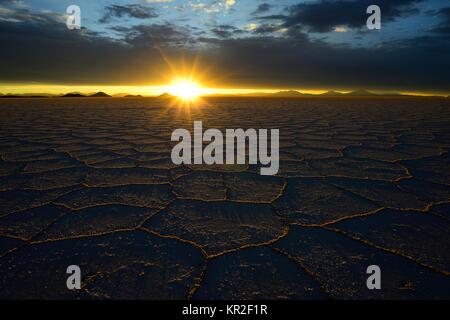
{"type": "Point", "coordinates": [90, 182]}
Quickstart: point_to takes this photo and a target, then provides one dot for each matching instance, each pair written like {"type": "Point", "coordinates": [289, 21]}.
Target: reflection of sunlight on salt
{"type": "Point", "coordinates": [174, 108]}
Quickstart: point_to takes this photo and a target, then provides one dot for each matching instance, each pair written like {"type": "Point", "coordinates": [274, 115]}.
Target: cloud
{"type": "Point", "coordinates": [262, 8]}
{"type": "Point", "coordinates": [131, 10]}
{"type": "Point", "coordinates": [38, 47]}
{"type": "Point", "coordinates": [264, 28]}
{"type": "Point", "coordinates": [297, 61]}
{"type": "Point", "coordinates": [272, 17]}
{"type": "Point", "coordinates": [444, 26]}
{"type": "Point", "coordinates": [340, 29]}
{"type": "Point", "coordinates": [25, 15]}
{"type": "Point", "coordinates": [226, 31]}
{"type": "Point", "coordinates": [229, 3]}
{"type": "Point", "coordinates": [18, 3]}
{"type": "Point", "coordinates": [251, 26]}
{"type": "Point", "coordinates": [41, 48]}
{"type": "Point", "coordinates": [215, 6]}
{"type": "Point", "coordinates": [325, 15]}
{"type": "Point", "coordinates": [155, 35]}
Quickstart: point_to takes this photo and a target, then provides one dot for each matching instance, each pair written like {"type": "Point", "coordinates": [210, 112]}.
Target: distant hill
{"type": "Point", "coordinates": [288, 93]}
{"type": "Point", "coordinates": [132, 96]}
{"type": "Point", "coordinates": [120, 95]}
{"type": "Point", "coordinates": [10, 96]}
{"type": "Point", "coordinates": [23, 96]}
{"type": "Point", "coordinates": [332, 93]}
{"type": "Point", "coordinates": [73, 95]}
{"type": "Point", "coordinates": [79, 95]}
{"type": "Point", "coordinates": [361, 93]}
{"type": "Point", "coordinates": [100, 95]}
{"type": "Point", "coordinates": [166, 95]}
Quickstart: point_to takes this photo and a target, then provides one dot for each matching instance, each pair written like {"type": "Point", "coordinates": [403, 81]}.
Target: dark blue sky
{"type": "Point", "coordinates": [311, 44]}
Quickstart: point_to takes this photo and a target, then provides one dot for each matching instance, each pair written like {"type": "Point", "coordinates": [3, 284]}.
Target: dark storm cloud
{"type": "Point", "coordinates": [20, 15]}
{"type": "Point", "coordinates": [272, 17]}
{"type": "Point", "coordinates": [39, 47]}
{"type": "Point", "coordinates": [226, 31]}
{"type": "Point", "coordinates": [130, 10]}
{"type": "Point", "coordinates": [444, 26]}
{"type": "Point", "coordinates": [155, 35]}
{"type": "Point", "coordinates": [324, 15]}
{"type": "Point", "coordinates": [262, 8]}
{"type": "Point", "coordinates": [300, 62]}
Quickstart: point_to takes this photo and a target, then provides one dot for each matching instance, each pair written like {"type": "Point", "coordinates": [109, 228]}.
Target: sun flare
{"type": "Point", "coordinates": [185, 89]}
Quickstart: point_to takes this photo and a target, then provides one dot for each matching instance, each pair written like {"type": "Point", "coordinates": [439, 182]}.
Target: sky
{"type": "Point", "coordinates": [139, 47]}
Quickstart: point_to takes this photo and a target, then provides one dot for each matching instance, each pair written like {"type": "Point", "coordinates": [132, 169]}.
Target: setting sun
{"type": "Point", "coordinates": [185, 89]}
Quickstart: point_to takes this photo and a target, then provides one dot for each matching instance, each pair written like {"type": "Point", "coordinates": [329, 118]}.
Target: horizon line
{"type": "Point", "coordinates": [155, 91]}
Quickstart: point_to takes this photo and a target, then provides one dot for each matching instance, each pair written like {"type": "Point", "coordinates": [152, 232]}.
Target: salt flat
{"type": "Point", "coordinates": [90, 182]}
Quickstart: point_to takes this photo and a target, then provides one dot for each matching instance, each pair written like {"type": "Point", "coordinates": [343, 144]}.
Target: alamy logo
{"type": "Point", "coordinates": [74, 280]}
{"type": "Point", "coordinates": [374, 20]}
{"type": "Point", "coordinates": [214, 152]}
{"type": "Point", "coordinates": [374, 280]}
{"type": "Point", "coordinates": [73, 18]}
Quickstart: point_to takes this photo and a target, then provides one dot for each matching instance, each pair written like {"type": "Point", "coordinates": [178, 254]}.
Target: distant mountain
{"type": "Point", "coordinates": [166, 95]}
{"type": "Point", "coordinates": [100, 95]}
{"type": "Point", "coordinates": [73, 95]}
{"type": "Point", "coordinates": [132, 96]}
{"type": "Point", "coordinates": [79, 95]}
{"type": "Point", "coordinates": [361, 93]}
{"type": "Point", "coordinates": [24, 96]}
{"type": "Point", "coordinates": [120, 95]}
{"type": "Point", "coordinates": [332, 93]}
{"type": "Point", "coordinates": [288, 93]}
